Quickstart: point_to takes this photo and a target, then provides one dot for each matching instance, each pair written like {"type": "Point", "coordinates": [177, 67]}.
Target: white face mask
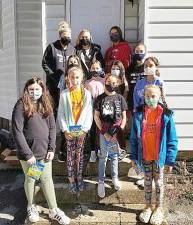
{"type": "Point", "coordinates": [150, 70]}
{"type": "Point", "coordinates": [115, 72]}
{"type": "Point", "coordinates": [35, 94]}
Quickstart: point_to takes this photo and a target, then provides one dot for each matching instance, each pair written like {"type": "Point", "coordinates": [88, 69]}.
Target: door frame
{"type": "Point", "coordinates": [121, 19]}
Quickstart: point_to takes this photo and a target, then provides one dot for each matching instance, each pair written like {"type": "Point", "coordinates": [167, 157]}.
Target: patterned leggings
{"type": "Point", "coordinates": [153, 172]}
{"type": "Point", "coordinates": [75, 157]}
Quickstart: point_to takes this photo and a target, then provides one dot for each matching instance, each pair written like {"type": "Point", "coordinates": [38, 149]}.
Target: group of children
{"type": "Point", "coordinates": [100, 104]}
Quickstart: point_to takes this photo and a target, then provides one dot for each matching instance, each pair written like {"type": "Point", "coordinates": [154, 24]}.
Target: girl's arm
{"type": "Point", "coordinates": [52, 134]}
{"type": "Point", "coordinates": [88, 110]}
{"type": "Point", "coordinates": [18, 121]}
{"type": "Point", "coordinates": [97, 119]}
{"type": "Point", "coordinates": [124, 120]}
{"type": "Point", "coordinates": [61, 114]}
{"type": "Point", "coordinates": [172, 143]}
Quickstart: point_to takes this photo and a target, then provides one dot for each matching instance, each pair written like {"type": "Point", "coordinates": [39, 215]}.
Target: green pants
{"type": "Point", "coordinates": [47, 184]}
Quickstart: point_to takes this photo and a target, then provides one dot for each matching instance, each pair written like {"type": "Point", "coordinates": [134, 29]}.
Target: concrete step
{"type": "Point", "coordinates": [60, 169]}
{"type": "Point", "coordinates": [97, 214]}
{"type": "Point", "coordinates": [129, 193]}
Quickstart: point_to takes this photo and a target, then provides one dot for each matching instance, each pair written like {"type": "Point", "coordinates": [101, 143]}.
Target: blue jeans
{"type": "Point", "coordinates": [103, 155]}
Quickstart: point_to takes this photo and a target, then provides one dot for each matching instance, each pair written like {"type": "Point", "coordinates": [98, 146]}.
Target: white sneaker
{"type": "Point", "coordinates": [116, 184]}
{"type": "Point", "coordinates": [101, 189]}
{"type": "Point", "coordinates": [140, 183]}
{"type": "Point", "coordinates": [33, 214]}
{"type": "Point", "coordinates": [59, 215]}
{"type": "Point", "coordinates": [157, 217]}
{"type": "Point", "coordinates": [145, 215]}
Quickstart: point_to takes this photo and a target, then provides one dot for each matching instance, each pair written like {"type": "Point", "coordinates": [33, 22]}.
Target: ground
{"type": "Point", "coordinates": [179, 196]}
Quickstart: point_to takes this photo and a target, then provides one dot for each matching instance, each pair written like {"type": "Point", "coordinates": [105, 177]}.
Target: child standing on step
{"type": "Point", "coordinates": [110, 117]}
{"type": "Point", "coordinates": [153, 148]}
{"type": "Point", "coordinates": [75, 116]}
{"type": "Point", "coordinates": [34, 132]}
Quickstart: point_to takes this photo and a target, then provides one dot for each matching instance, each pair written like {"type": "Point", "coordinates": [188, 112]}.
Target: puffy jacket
{"type": "Point", "coordinates": [168, 138]}
{"type": "Point", "coordinates": [121, 52]}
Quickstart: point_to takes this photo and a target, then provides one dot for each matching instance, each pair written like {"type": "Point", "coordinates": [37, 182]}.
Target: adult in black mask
{"type": "Point", "coordinates": [88, 52]}
{"type": "Point", "coordinates": [54, 61]}
{"type": "Point", "coordinates": [120, 50]}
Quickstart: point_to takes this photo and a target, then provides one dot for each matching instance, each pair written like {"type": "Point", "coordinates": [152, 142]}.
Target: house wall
{"type": "Point", "coordinates": [29, 40]}
{"type": "Point", "coordinates": [169, 37]}
{"type": "Point", "coordinates": [8, 75]}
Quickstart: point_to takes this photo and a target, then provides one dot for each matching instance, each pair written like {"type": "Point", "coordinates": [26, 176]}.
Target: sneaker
{"type": "Point", "coordinates": [33, 214]}
{"type": "Point", "coordinates": [122, 154]}
{"type": "Point", "coordinates": [157, 216]}
{"type": "Point", "coordinates": [101, 189]}
{"type": "Point", "coordinates": [61, 157]}
{"type": "Point", "coordinates": [92, 157]}
{"type": "Point", "coordinates": [140, 183]}
{"type": "Point", "coordinates": [59, 215]}
{"type": "Point", "coordinates": [145, 215]}
{"type": "Point", "coordinates": [116, 184]}
{"type": "Point", "coordinates": [72, 188]}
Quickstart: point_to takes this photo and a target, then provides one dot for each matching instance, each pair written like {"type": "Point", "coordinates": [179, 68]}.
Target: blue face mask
{"type": "Point", "coordinates": [151, 102]}
{"type": "Point", "coordinates": [138, 56]}
{"type": "Point", "coordinates": [35, 94]}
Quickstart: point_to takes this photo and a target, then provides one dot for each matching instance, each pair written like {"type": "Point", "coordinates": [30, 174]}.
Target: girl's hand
{"type": "Point", "coordinates": [83, 134]}
{"type": "Point", "coordinates": [31, 161]}
{"type": "Point", "coordinates": [107, 137]}
{"type": "Point", "coordinates": [133, 163]}
{"type": "Point", "coordinates": [67, 135]}
{"type": "Point", "coordinates": [168, 169]}
{"type": "Point", "coordinates": [50, 156]}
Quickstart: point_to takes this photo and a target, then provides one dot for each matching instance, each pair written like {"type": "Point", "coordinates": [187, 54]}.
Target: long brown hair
{"type": "Point", "coordinates": [44, 104]}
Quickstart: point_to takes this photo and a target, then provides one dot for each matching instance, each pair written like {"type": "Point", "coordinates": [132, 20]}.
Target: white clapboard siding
{"type": "Point", "coordinates": [169, 37]}
{"type": "Point", "coordinates": [171, 45]}
{"type": "Point", "coordinates": [8, 78]}
{"type": "Point", "coordinates": [170, 30]}
{"type": "Point", "coordinates": [173, 74]}
{"type": "Point", "coordinates": [179, 88]}
{"type": "Point", "coordinates": [183, 116]}
{"type": "Point", "coordinates": [131, 22]}
{"type": "Point", "coordinates": [29, 40]}
{"type": "Point", "coordinates": [170, 3]}
{"type": "Point", "coordinates": [180, 102]}
{"type": "Point", "coordinates": [185, 144]}
{"type": "Point", "coordinates": [54, 13]}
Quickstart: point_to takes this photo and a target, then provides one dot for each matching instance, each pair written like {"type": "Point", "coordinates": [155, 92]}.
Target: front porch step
{"type": "Point", "coordinates": [129, 193]}
{"type": "Point", "coordinates": [60, 168]}
{"type": "Point", "coordinates": [97, 214]}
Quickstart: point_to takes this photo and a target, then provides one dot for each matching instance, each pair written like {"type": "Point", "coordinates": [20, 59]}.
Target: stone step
{"type": "Point", "coordinates": [60, 169]}
{"type": "Point", "coordinates": [129, 193]}
{"type": "Point", "coordinates": [96, 214]}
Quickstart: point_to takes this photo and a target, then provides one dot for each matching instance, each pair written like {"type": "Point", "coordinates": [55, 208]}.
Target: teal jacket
{"type": "Point", "coordinates": [168, 143]}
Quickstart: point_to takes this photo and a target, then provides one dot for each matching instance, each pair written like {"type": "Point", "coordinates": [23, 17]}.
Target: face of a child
{"type": "Point", "coordinates": [73, 61]}
{"type": "Point", "coordinates": [75, 78]}
{"type": "Point", "coordinates": [115, 70]}
{"type": "Point", "coordinates": [152, 96]}
{"type": "Point", "coordinates": [111, 84]}
{"type": "Point", "coordinates": [35, 91]}
{"type": "Point", "coordinates": [150, 68]}
{"type": "Point", "coordinates": [95, 67]}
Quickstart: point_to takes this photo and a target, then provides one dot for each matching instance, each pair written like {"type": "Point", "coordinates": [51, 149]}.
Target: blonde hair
{"type": "Point", "coordinates": [152, 86]}
{"type": "Point", "coordinates": [63, 26]}
{"type": "Point", "coordinates": [80, 34]}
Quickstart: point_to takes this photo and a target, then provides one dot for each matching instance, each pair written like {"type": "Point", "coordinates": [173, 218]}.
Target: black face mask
{"type": "Point", "coordinates": [115, 37]}
{"type": "Point", "coordinates": [111, 88]}
{"type": "Point", "coordinates": [85, 42]}
{"type": "Point", "coordinates": [65, 40]}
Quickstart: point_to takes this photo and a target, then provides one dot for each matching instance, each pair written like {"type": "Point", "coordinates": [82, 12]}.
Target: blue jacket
{"type": "Point", "coordinates": [168, 142]}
